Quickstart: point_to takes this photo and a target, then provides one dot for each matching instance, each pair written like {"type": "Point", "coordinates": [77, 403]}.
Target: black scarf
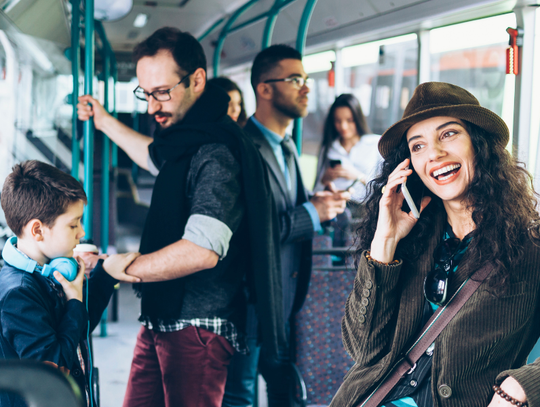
{"type": "Point", "coordinates": [172, 150]}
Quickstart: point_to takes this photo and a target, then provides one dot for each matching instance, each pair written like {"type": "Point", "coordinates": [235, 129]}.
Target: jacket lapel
{"type": "Point", "coordinates": [269, 157]}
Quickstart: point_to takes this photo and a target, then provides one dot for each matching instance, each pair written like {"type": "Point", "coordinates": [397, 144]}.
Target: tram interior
{"type": "Point", "coordinates": [378, 50]}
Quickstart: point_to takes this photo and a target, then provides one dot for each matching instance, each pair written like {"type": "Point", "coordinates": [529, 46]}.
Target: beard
{"type": "Point", "coordinates": [290, 108]}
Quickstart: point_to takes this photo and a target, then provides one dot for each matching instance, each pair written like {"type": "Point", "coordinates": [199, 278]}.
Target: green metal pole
{"type": "Point", "coordinates": [209, 31]}
{"type": "Point", "coordinates": [89, 124]}
{"type": "Point", "coordinates": [225, 31]}
{"type": "Point", "coordinates": [114, 70]}
{"type": "Point", "coordinates": [109, 72]}
{"type": "Point", "coordinates": [75, 61]}
{"type": "Point", "coordinates": [270, 23]}
{"type": "Point", "coordinates": [300, 46]}
{"type": "Point", "coordinates": [134, 166]}
{"type": "Point", "coordinates": [106, 152]}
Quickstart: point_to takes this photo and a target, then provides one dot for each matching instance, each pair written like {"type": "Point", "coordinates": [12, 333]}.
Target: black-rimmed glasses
{"type": "Point", "coordinates": [297, 81]}
{"type": "Point", "coordinates": [159, 95]}
{"type": "Point", "coordinates": [436, 282]}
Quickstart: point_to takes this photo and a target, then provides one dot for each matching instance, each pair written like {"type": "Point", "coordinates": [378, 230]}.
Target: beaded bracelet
{"type": "Point", "coordinates": [508, 398]}
{"type": "Point", "coordinates": [369, 258]}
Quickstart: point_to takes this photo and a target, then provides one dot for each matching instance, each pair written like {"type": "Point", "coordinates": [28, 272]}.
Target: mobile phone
{"type": "Point", "coordinates": [333, 163]}
{"type": "Point", "coordinates": [352, 185]}
{"type": "Point", "coordinates": [413, 191]}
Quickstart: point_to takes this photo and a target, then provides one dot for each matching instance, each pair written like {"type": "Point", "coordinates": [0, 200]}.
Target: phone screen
{"type": "Point", "coordinates": [333, 163]}
{"type": "Point", "coordinates": [415, 187]}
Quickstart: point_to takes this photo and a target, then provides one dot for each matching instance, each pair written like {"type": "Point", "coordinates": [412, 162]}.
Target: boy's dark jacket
{"type": "Point", "coordinates": [35, 323]}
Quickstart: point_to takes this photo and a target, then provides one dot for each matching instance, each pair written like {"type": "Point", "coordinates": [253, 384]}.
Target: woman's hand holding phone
{"type": "Point", "coordinates": [339, 171]}
{"type": "Point", "coordinates": [393, 223]}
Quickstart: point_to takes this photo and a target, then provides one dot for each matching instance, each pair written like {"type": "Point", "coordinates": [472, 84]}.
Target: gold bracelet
{"type": "Point", "coordinates": [369, 258]}
{"type": "Point", "coordinates": [508, 398]}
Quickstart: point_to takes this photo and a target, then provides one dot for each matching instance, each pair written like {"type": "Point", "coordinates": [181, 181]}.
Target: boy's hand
{"type": "Point", "coordinates": [116, 266]}
{"type": "Point", "coordinates": [73, 289]}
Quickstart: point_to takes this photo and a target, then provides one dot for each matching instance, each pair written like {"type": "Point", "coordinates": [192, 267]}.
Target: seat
{"type": "Point", "coordinates": [39, 384]}
{"type": "Point", "coordinates": [321, 360]}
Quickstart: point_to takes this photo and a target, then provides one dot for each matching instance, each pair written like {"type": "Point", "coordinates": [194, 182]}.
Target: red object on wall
{"type": "Point", "coordinates": [332, 76]}
{"type": "Point", "coordinates": [512, 53]}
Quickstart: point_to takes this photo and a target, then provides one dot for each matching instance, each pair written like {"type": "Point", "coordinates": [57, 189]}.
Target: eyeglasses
{"type": "Point", "coordinates": [297, 81]}
{"type": "Point", "coordinates": [159, 95]}
{"type": "Point", "coordinates": [436, 282]}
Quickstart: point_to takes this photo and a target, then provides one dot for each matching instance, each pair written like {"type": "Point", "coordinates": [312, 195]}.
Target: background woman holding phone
{"type": "Point", "coordinates": [478, 211]}
{"type": "Point", "coordinates": [348, 150]}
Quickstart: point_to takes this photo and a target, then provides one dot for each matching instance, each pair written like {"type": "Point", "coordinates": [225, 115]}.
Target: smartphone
{"type": "Point", "coordinates": [333, 163]}
{"type": "Point", "coordinates": [413, 191]}
{"type": "Point", "coordinates": [352, 185]}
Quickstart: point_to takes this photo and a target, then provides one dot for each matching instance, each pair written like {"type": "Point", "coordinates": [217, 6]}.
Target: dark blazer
{"type": "Point", "coordinates": [37, 324]}
{"type": "Point", "coordinates": [296, 226]}
{"type": "Point", "coordinates": [488, 340]}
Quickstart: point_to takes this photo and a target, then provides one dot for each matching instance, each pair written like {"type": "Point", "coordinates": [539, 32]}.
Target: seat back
{"type": "Point", "coordinates": [320, 356]}
{"type": "Point", "coordinates": [39, 384]}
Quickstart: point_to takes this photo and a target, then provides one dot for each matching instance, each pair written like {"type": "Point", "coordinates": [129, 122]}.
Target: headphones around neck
{"type": "Point", "coordinates": [67, 266]}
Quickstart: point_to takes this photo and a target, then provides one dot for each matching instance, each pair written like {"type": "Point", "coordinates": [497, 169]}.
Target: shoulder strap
{"type": "Point", "coordinates": [430, 332]}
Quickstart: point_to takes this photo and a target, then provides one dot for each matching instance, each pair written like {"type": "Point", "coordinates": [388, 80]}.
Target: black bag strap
{"type": "Point", "coordinates": [430, 332]}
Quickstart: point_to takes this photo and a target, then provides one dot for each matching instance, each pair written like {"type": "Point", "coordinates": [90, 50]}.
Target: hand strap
{"type": "Point", "coordinates": [430, 332]}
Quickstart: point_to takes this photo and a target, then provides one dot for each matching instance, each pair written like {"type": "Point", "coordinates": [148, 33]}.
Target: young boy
{"type": "Point", "coordinates": [40, 318]}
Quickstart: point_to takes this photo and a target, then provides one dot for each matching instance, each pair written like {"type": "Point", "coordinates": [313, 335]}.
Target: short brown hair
{"type": "Point", "coordinates": [35, 190]}
{"type": "Point", "coordinates": [187, 52]}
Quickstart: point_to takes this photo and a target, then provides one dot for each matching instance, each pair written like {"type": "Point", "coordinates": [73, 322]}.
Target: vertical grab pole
{"type": "Point", "coordinates": [75, 61]}
{"type": "Point", "coordinates": [300, 46]}
{"type": "Point", "coordinates": [106, 153]}
{"type": "Point", "coordinates": [134, 166]}
{"type": "Point", "coordinates": [114, 73]}
{"type": "Point", "coordinates": [225, 31]}
{"type": "Point", "coordinates": [109, 72]}
{"type": "Point", "coordinates": [89, 124]}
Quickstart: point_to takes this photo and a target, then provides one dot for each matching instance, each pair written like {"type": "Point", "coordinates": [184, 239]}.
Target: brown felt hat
{"type": "Point", "coordinates": [432, 99]}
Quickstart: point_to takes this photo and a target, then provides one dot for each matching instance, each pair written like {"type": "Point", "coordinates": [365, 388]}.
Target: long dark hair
{"type": "Point", "coordinates": [228, 86]}
{"type": "Point", "coordinates": [330, 133]}
{"type": "Point", "coordinates": [501, 197]}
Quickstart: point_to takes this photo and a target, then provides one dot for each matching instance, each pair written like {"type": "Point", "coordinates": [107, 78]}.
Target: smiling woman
{"type": "Point", "coordinates": [478, 209]}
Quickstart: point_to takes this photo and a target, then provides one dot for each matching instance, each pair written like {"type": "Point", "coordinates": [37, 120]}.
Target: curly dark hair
{"type": "Point", "coordinates": [501, 197]}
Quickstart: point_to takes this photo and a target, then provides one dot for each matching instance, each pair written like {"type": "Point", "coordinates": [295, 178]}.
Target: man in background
{"type": "Point", "coordinates": [281, 88]}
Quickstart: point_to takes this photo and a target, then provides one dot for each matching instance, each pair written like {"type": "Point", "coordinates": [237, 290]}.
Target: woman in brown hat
{"type": "Point", "coordinates": [478, 208]}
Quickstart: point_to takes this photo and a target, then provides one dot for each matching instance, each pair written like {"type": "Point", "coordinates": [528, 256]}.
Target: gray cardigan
{"type": "Point", "coordinates": [488, 340]}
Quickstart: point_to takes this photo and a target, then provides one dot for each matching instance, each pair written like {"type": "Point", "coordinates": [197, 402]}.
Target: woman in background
{"type": "Point", "coordinates": [236, 111]}
{"type": "Point", "coordinates": [349, 150]}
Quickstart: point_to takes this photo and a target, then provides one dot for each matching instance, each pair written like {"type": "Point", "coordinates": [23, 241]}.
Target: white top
{"type": "Point", "coordinates": [364, 157]}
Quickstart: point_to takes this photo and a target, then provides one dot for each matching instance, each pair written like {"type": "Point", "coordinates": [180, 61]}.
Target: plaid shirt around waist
{"type": "Point", "coordinates": [218, 326]}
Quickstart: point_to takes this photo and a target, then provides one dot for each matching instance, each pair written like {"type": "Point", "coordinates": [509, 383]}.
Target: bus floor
{"type": "Point", "coordinates": [113, 353]}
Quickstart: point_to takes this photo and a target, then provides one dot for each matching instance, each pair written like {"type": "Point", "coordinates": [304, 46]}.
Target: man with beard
{"type": "Point", "coordinates": [192, 261]}
{"type": "Point", "coordinates": [281, 88]}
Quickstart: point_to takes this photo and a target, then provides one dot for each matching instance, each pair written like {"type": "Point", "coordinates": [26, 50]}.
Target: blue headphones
{"type": "Point", "coordinates": [67, 266]}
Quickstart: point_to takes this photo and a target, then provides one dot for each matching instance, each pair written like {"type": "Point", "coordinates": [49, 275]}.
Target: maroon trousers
{"type": "Point", "coordinates": [187, 368]}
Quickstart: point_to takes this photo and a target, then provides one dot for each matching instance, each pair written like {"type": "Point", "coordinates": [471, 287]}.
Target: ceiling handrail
{"type": "Point", "coordinates": [225, 32]}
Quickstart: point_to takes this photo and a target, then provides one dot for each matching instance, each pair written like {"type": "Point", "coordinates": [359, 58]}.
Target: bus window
{"type": "Point", "coordinates": [382, 75]}
{"type": "Point", "coordinates": [473, 55]}
{"type": "Point", "coordinates": [321, 96]}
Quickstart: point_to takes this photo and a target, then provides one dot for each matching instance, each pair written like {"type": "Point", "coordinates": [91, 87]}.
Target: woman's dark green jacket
{"type": "Point", "coordinates": [488, 340]}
